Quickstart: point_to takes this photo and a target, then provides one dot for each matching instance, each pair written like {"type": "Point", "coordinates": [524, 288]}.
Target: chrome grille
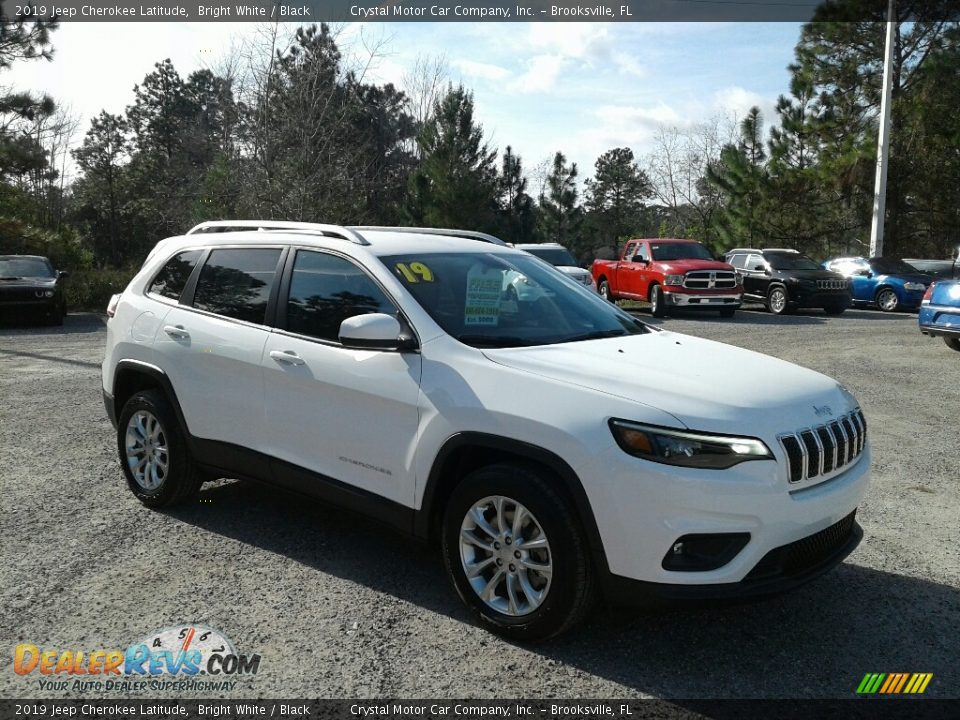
{"type": "Point", "coordinates": [832, 284]}
{"type": "Point", "coordinates": [710, 279]}
{"type": "Point", "coordinates": [824, 449]}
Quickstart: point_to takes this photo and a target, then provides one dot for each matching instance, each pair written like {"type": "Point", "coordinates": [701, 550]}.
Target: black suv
{"type": "Point", "coordinates": [785, 280]}
{"type": "Point", "coordinates": [30, 285]}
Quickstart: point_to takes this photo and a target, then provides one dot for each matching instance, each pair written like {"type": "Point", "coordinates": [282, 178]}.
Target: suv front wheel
{"type": "Point", "coordinates": [777, 300]}
{"type": "Point", "coordinates": [516, 553]}
{"type": "Point", "coordinates": [153, 451]}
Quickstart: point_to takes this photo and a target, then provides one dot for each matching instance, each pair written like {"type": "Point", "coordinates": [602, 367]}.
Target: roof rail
{"type": "Point", "coordinates": [466, 234]}
{"type": "Point", "coordinates": [336, 231]}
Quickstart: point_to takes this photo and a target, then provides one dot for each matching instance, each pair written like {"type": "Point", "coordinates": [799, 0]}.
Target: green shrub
{"type": "Point", "coordinates": [91, 289]}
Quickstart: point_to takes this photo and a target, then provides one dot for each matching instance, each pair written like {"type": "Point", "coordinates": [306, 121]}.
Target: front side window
{"type": "Point", "coordinates": [236, 283]}
{"type": "Point", "coordinates": [487, 299]}
{"type": "Point", "coordinates": [756, 263]}
{"type": "Point", "coordinates": [739, 261]}
{"type": "Point", "coordinates": [327, 289]}
{"type": "Point", "coordinates": [172, 278]}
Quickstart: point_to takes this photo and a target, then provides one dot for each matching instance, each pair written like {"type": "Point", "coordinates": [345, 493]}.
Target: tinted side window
{"type": "Point", "coordinates": [236, 283]}
{"type": "Point", "coordinates": [739, 261]}
{"type": "Point", "coordinates": [755, 261]}
{"type": "Point", "coordinates": [325, 290]}
{"type": "Point", "coordinates": [173, 276]}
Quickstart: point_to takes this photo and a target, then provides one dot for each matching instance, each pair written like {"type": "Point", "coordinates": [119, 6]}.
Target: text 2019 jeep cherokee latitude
{"type": "Point", "coordinates": [555, 447]}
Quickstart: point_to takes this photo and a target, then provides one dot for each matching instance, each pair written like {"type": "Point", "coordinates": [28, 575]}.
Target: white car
{"type": "Point", "coordinates": [555, 450]}
{"type": "Point", "coordinates": [558, 256]}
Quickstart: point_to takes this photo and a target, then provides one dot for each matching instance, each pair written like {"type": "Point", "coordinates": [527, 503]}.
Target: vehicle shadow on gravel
{"type": "Point", "coordinates": [758, 316]}
{"type": "Point", "coordinates": [73, 324]}
{"type": "Point", "coordinates": [817, 641]}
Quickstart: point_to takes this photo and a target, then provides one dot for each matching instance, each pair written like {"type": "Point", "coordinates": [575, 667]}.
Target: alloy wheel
{"type": "Point", "coordinates": [146, 450]}
{"type": "Point", "coordinates": [506, 556]}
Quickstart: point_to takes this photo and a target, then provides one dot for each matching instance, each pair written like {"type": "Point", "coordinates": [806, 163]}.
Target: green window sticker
{"type": "Point", "coordinates": [484, 290]}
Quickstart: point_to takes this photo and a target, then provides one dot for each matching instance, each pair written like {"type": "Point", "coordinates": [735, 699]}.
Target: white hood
{"type": "Point", "coordinates": [706, 385]}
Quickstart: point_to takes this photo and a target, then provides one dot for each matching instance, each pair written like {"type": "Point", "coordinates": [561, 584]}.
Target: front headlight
{"type": "Point", "coordinates": [686, 448]}
{"type": "Point", "coordinates": [673, 280]}
{"type": "Point", "coordinates": [914, 286]}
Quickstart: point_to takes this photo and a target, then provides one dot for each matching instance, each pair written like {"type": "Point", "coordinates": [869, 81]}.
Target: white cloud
{"type": "Point", "coordinates": [738, 100]}
{"type": "Point", "coordinates": [482, 70]}
{"type": "Point", "coordinates": [629, 64]}
{"type": "Point", "coordinates": [589, 42]}
{"type": "Point", "coordinates": [541, 75]}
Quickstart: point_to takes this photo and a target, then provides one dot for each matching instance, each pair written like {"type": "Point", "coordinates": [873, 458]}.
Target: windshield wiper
{"type": "Point", "coordinates": [598, 335]}
{"type": "Point", "coordinates": [493, 340]}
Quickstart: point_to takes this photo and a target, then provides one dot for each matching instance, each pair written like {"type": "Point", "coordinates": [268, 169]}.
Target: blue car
{"type": "Point", "coordinates": [889, 284]}
{"type": "Point", "coordinates": [940, 312]}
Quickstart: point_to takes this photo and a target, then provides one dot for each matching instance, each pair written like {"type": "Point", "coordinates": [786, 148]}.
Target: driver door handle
{"type": "Point", "coordinates": [176, 331]}
{"type": "Point", "coordinates": [287, 357]}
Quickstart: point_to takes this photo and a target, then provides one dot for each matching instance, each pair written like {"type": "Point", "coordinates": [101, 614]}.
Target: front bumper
{"type": "Point", "coordinates": [813, 298]}
{"type": "Point", "coordinates": [781, 570]}
{"type": "Point", "coordinates": [686, 299]}
{"type": "Point", "coordinates": [643, 508]}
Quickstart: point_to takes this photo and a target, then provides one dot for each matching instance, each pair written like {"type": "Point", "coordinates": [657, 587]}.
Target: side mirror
{"type": "Point", "coordinates": [639, 259]}
{"type": "Point", "coordinates": [374, 331]}
{"type": "Point", "coordinates": [863, 272]}
{"type": "Point", "coordinates": [62, 274]}
{"type": "Point", "coordinates": [759, 268]}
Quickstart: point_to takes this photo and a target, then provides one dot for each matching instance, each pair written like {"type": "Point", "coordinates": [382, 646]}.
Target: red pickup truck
{"type": "Point", "coordinates": [670, 274]}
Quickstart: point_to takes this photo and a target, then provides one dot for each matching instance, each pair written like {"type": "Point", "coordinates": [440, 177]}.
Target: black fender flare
{"type": "Point", "coordinates": [433, 491]}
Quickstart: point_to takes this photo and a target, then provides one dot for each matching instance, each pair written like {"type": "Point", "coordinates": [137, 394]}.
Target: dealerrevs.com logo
{"type": "Point", "coordinates": [183, 657]}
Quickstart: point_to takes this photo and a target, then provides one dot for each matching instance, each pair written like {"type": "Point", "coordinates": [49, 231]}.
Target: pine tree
{"type": "Point", "coordinates": [559, 212]}
{"type": "Point", "coordinates": [517, 219]}
{"type": "Point", "coordinates": [456, 184]}
{"type": "Point", "coordinates": [616, 193]}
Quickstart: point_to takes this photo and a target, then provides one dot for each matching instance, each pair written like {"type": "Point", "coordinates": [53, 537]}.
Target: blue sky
{"type": "Point", "coordinates": [577, 87]}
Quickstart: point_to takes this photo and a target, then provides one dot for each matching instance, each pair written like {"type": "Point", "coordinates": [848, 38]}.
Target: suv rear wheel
{"type": "Point", "coordinates": [153, 451]}
{"type": "Point", "coordinates": [952, 343]}
{"type": "Point", "coordinates": [516, 554]}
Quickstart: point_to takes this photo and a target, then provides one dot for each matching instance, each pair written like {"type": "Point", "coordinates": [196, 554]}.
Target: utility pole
{"type": "Point", "coordinates": [883, 143]}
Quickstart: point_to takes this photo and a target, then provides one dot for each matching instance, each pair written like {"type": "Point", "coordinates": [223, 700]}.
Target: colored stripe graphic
{"type": "Point", "coordinates": [894, 683]}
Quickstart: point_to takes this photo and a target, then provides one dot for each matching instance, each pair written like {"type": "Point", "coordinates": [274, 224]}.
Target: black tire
{"type": "Point", "coordinates": [778, 302]}
{"type": "Point", "coordinates": [658, 305]}
{"type": "Point", "coordinates": [182, 478]}
{"type": "Point", "coordinates": [887, 300]}
{"type": "Point", "coordinates": [604, 290]}
{"type": "Point", "coordinates": [727, 312]}
{"type": "Point", "coordinates": [571, 590]}
{"type": "Point", "coordinates": [834, 309]}
{"type": "Point", "coordinates": [952, 343]}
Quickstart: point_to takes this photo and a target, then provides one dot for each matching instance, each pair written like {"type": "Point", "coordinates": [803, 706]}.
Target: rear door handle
{"type": "Point", "coordinates": [176, 331]}
{"type": "Point", "coordinates": [288, 357]}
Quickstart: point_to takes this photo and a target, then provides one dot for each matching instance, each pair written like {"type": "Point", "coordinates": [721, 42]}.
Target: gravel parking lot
{"type": "Point", "coordinates": [339, 608]}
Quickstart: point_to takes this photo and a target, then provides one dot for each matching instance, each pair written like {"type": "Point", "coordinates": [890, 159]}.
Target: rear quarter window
{"type": "Point", "coordinates": [173, 276]}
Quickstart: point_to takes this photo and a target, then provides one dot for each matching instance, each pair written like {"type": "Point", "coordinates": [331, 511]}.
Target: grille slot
{"type": "Point", "coordinates": [710, 280]}
{"type": "Point", "coordinates": [831, 284]}
{"type": "Point", "coordinates": [822, 450]}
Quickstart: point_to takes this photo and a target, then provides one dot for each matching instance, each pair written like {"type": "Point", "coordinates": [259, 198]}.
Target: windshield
{"type": "Point", "coordinates": [24, 267]}
{"type": "Point", "coordinates": [499, 300]}
{"type": "Point", "coordinates": [888, 266]}
{"type": "Point", "coordinates": [680, 251]}
{"type": "Point", "coordinates": [791, 261]}
{"type": "Point", "coordinates": [558, 257]}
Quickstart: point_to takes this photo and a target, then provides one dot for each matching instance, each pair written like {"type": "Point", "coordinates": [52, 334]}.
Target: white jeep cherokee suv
{"type": "Point", "coordinates": [555, 448]}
